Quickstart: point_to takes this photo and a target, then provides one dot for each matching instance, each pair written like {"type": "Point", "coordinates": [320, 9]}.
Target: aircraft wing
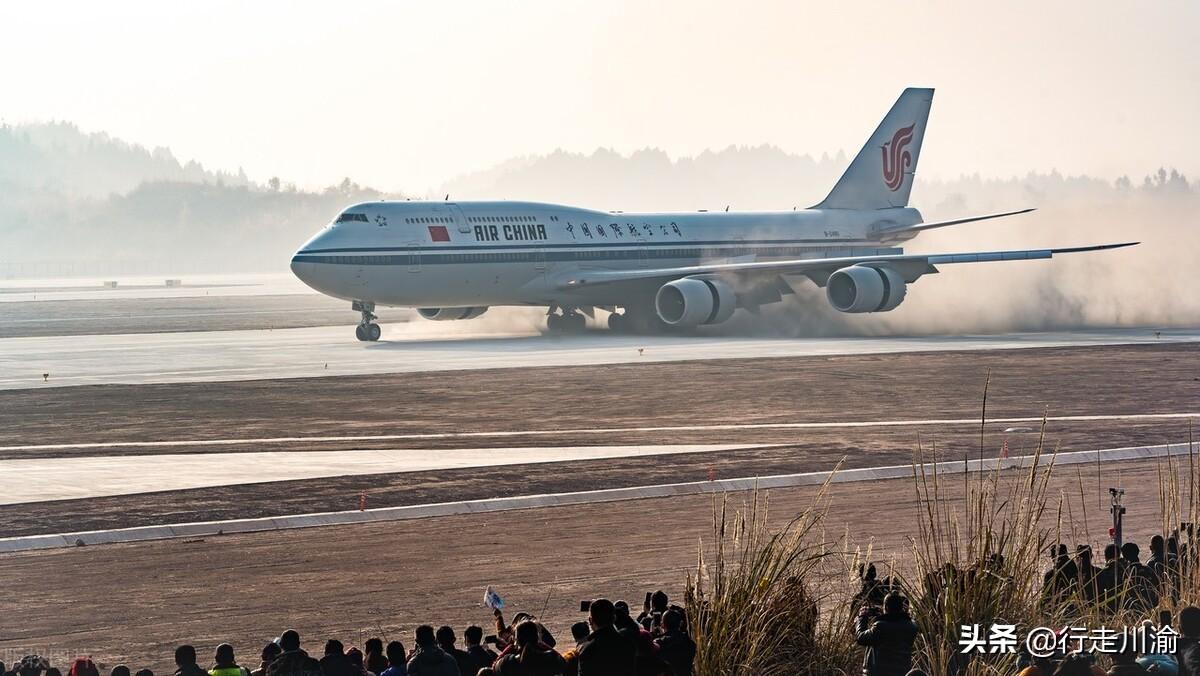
{"type": "Point", "coordinates": [910, 266]}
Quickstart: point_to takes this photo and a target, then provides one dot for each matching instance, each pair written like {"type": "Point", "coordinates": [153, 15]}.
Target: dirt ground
{"type": "Point", "coordinates": [1063, 381]}
{"type": "Point", "coordinates": [133, 603]}
{"type": "Point", "coordinates": [1058, 381]}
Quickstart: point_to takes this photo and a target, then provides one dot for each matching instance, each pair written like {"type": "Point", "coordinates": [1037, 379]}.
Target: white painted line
{"type": "Point", "coordinates": [258, 441]}
{"type": "Point", "coordinates": [209, 528]}
{"type": "Point", "coordinates": [78, 477]}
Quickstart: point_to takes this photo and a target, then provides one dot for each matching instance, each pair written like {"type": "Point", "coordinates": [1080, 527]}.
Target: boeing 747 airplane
{"type": "Point", "coordinates": [652, 271]}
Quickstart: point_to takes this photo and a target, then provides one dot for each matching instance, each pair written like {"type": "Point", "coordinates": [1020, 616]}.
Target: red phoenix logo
{"type": "Point", "coordinates": [896, 157]}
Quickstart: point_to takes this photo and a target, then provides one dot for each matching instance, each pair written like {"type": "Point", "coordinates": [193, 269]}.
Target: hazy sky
{"type": "Point", "coordinates": [405, 95]}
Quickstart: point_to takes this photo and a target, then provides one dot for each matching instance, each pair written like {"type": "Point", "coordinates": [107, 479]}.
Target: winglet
{"type": "Point", "coordinates": [1097, 247]}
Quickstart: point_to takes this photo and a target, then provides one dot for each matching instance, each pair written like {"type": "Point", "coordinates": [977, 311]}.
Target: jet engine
{"type": "Point", "coordinates": [862, 288]}
{"type": "Point", "coordinates": [446, 314]}
{"type": "Point", "coordinates": [692, 301]}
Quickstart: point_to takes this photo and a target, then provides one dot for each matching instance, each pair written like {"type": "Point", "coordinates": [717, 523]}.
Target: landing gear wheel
{"type": "Point", "coordinates": [566, 323]}
{"type": "Point", "coordinates": [618, 323]}
{"type": "Point", "coordinates": [367, 329]}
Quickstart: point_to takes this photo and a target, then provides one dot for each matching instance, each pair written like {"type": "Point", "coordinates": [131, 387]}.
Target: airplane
{"type": "Point", "coordinates": [653, 271]}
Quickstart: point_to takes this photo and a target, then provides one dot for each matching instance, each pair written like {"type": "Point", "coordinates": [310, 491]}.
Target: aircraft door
{"type": "Point", "coordinates": [460, 221]}
{"type": "Point", "coordinates": [414, 255]}
{"type": "Point", "coordinates": [642, 254]}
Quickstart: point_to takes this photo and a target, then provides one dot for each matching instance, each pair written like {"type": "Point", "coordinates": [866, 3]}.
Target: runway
{"type": "Point", "coordinates": [145, 287]}
{"type": "Point", "coordinates": [62, 361]}
{"type": "Point", "coordinates": [44, 479]}
{"type": "Point", "coordinates": [1024, 423]}
{"type": "Point", "coordinates": [590, 497]}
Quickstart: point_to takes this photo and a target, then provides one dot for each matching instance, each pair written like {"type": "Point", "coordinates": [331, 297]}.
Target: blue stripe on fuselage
{"type": "Point", "coordinates": [540, 254]}
{"type": "Point", "coordinates": [559, 245]}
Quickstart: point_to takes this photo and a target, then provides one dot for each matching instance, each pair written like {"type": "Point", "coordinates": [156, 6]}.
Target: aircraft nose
{"type": "Point", "coordinates": [301, 269]}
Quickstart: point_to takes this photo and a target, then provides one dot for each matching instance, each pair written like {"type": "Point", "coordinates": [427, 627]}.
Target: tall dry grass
{"type": "Point", "coordinates": [756, 602]}
{"type": "Point", "coordinates": [781, 601]}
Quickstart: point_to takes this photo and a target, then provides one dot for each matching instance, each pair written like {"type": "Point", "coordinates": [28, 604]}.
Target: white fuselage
{"type": "Point", "coordinates": [460, 254]}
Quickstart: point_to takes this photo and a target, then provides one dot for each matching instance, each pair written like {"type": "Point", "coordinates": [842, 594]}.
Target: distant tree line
{"type": "Point", "coordinates": [69, 198]}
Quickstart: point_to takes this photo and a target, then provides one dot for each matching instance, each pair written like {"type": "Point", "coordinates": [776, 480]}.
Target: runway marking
{"type": "Point", "coordinates": [181, 315]}
{"type": "Point", "coordinates": [466, 507]}
{"type": "Point", "coordinates": [80, 477]}
{"type": "Point", "coordinates": [596, 430]}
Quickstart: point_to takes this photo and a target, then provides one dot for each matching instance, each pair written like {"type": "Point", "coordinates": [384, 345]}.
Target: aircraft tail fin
{"type": "Point", "coordinates": [881, 175]}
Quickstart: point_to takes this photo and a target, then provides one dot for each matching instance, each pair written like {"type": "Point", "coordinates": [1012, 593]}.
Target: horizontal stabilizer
{"type": "Point", "coordinates": [920, 227]}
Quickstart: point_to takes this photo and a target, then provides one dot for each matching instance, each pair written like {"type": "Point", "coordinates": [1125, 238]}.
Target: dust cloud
{"type": "Point", "coordinates": [1155, 284]}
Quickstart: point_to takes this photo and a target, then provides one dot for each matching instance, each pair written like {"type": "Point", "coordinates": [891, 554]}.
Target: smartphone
{"type": "Point", "coordinates": [1164, 618]}
{"type": "Point", "coordinates": [585, 606]}
{"type": "Point", "coordinates": [491, 638]}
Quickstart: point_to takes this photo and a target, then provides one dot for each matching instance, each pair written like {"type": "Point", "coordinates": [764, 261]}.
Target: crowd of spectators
{"type": "Point", "coordinates": [1071, 586]}
{"type": "Point", "coordinates": [1124, 582]}
{"type": "Point", "coordinates": [611, 642]}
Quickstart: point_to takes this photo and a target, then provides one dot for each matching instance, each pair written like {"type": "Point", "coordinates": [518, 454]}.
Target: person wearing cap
{"type": "Point", "coordinates": [224, 663]}
{"type": "Point", "coordinates": [624, 623]}
{"type": "Point", "coordinates": [579, 631]}
{"type": "Point", "coordinates": [888, 638]}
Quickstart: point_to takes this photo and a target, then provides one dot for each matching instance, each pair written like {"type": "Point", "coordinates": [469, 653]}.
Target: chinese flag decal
{"type": "Point", "coordinates": [438, 233]}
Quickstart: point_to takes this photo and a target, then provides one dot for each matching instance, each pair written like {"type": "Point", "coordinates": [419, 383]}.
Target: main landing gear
{"type": "Point", "coordinates": [367, 330]}
{"type": "Point", "coordinates": [569, 321]}
{"type": "Point", "coordinates": [618, 322]}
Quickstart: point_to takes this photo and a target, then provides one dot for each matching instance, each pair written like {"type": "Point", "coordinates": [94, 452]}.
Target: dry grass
{"type": "Point", "coordinates": [781, 602]}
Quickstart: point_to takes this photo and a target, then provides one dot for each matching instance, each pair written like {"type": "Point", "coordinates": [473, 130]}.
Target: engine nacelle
{"type": "Point", "coordinates": [863, 288]}
{"type": "Point", "coordinates": [446, 314]}
{"type": "Point", "coordinates": [692, 301]}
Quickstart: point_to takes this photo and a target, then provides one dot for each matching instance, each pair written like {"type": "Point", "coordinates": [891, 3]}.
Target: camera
{"type": "Point", "coordinates": [585, 606]}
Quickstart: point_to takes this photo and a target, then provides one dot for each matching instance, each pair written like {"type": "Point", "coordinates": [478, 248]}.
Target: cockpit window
{"type": "Point", "coordinates": [351, 217]}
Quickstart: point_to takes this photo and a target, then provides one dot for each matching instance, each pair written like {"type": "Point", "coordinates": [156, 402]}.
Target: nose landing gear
{"type": "Point", "coordinates": [367, 330]}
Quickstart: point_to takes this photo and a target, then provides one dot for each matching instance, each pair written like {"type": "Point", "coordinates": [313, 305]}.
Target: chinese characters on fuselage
{"type": "Point", "coordinates": [601, 230]}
